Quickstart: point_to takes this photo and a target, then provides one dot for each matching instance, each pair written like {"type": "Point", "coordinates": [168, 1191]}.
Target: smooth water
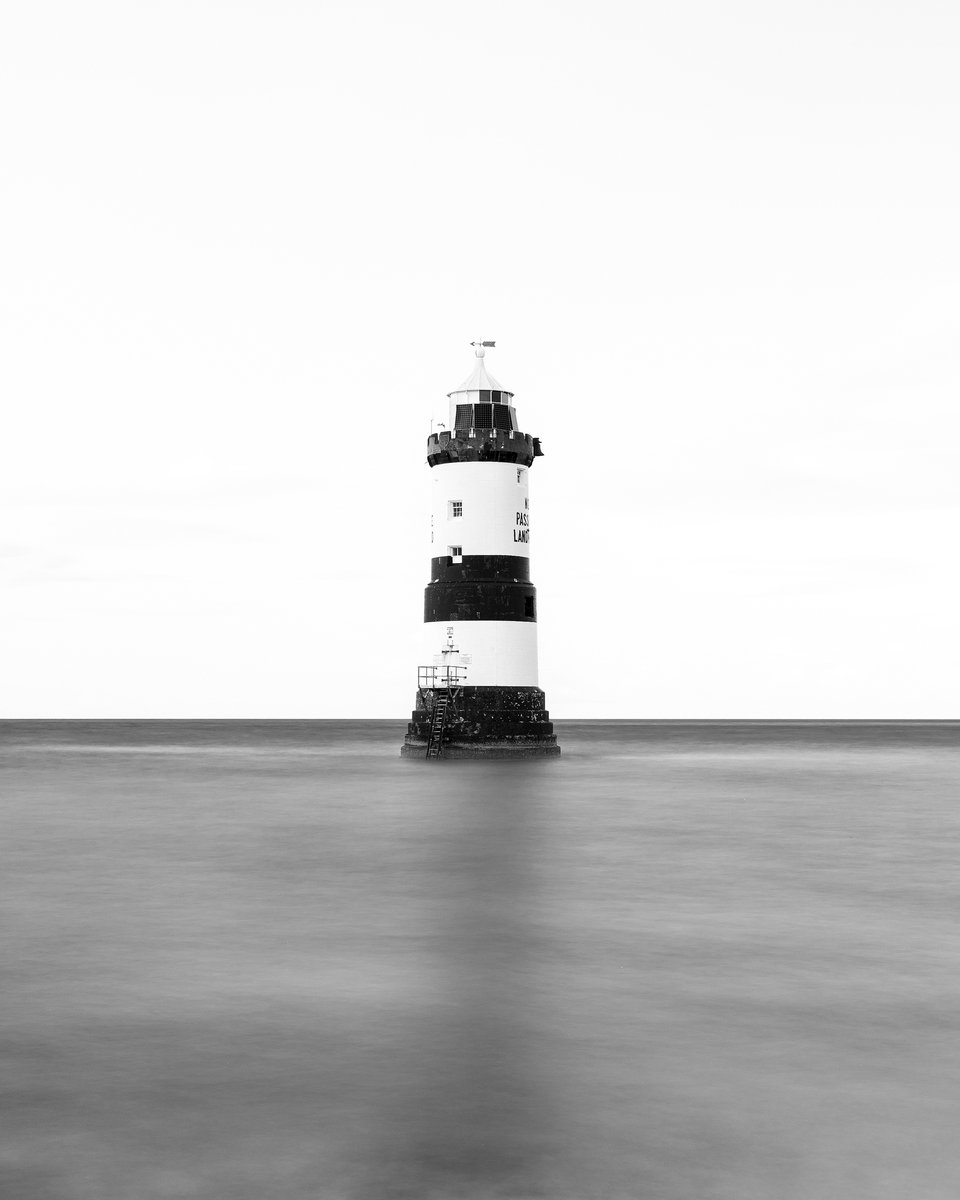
{"type": "Point", "coordinates": [271, 961]}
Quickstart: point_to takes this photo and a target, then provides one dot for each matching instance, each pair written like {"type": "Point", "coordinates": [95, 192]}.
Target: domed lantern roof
{"type": "Point", "coordinates": [480, 379]}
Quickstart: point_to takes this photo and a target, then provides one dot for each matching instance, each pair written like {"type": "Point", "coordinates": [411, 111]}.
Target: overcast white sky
{"type": "Point", "coordinates": [245, 246]}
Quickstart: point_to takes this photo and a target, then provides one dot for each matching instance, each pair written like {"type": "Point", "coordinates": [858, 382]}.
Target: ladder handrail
{"type": "Point", "coordinates": [438, 719]}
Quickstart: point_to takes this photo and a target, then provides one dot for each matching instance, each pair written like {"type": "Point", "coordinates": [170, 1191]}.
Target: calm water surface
{"type": "Point", "coordinates": [271, 961]}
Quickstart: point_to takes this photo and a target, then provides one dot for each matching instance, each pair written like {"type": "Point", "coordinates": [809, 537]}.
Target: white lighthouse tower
{"type": "Point", "coordinates": [477, 688]}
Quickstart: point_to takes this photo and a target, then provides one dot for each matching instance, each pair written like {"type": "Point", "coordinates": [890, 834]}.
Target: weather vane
{"type": "Point", "coordinates": [480, 346]}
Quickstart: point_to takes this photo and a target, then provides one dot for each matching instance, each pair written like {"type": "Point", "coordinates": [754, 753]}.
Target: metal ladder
{"type": "Point", "coordinates": [436, 728]}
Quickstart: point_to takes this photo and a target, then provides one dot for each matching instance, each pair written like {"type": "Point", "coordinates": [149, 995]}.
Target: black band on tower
{"type": "Point", "coordinates": [481, 568]}
{"type": "Point", "coordinates": [480, 602]}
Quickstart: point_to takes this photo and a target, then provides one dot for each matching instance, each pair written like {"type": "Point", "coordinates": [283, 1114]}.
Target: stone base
{"type": "Point", "coordinates": [416, 749]}
{"type": "Point", "coordinates": [485, 722]}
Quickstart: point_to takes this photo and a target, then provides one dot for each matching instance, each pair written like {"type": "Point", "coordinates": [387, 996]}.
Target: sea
{"type": "Point", "coordinates": [270, 960]}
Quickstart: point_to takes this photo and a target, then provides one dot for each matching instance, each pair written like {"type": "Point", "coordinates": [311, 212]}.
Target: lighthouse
{"type": "Point", "coordinates": [477, 685]}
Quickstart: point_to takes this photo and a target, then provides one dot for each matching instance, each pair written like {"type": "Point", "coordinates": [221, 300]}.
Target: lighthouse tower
{"type": "Point", "coordinates": [477, 690]}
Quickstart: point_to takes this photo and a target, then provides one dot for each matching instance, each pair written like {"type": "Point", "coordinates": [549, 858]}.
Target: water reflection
{"type": "Point", "coordinates": [468, 1111]}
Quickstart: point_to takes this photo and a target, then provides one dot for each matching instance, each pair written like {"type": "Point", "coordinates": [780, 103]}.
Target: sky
{"type": "Point", "coordinates": [245, 247]}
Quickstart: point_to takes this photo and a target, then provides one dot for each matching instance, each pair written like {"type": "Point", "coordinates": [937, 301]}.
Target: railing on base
{"type": "Point", "coordinates": [437, 679]}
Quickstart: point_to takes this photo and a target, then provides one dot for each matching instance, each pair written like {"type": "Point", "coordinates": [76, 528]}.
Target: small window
{"type": "Point", "coordinates": [456, 508]}
{"type": "Point", "coordinates": [500, 416]}
{"type": "Point", "coordinates": [519, 475]}
{"type": "Point", "coordinates": [456, 553]}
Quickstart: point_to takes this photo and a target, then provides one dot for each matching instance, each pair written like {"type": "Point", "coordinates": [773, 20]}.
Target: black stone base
{"type": "Point", "coordinates": [485, 722]}
{"type": "Point", "coordinates": [415, 749]}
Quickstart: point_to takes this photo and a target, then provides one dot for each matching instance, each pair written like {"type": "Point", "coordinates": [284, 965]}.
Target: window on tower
{"type": "Point", "coordinates": [456, 508]}
{"type": "Point", "coordinates": [483, 416]}
{"type": "Point", "coordinates": [456, 553]}
{"type": "Point", "coordinates": [501, 417]}
{"type": "Point", "coordinates": [492, 416]}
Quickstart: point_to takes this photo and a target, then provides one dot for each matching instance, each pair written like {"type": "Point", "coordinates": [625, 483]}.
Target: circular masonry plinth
{"type": "Point", "coordinates": [481, 722]}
